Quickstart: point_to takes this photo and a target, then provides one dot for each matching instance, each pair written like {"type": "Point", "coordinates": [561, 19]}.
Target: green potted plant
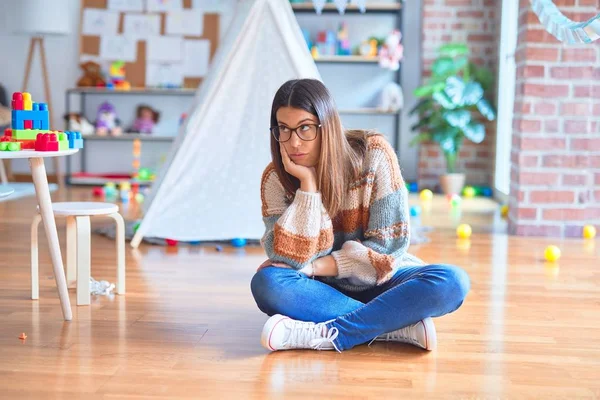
{"type": "Point", "coordinates": [452, 107]}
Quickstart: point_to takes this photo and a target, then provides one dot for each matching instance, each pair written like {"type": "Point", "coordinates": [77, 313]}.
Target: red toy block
{"type": "Point", "coordinates": [27, 144]}
{"type": "Point", "coordinates": [7, 139]}
{"type": "Point", "coordinates": [28, 124]}
{"type": "Point", "coordinates": [8, 132]}
{"type": "Point", "coordinates": [17, 101]}
{"type": "Point", "coordinates": [46, 142]}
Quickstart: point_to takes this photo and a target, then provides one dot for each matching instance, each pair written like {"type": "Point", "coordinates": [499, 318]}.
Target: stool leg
{"type": "Point", "coordinates": [120, 237]}
{"type": "Point", "coordinates": [35, 274]}
{"type": "Point", "coordinates": [83, 260]}
{"type": "Point", "coordinates": [71, 250]}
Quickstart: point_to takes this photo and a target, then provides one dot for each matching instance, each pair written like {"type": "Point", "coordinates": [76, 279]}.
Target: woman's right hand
{"type": "Point", "coordinates": [306, 175]}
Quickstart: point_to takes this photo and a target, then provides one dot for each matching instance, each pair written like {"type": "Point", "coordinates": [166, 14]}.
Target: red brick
{"type": "Point", "coordinates": [595, 161]}
{"type": "Point", "coordinates": [585, 144]}
{"type": "Point", "coordinates": [551, 196]}
{"type": "Point", "coordinates": [597, 195]}
{"type": "Point", "coordinates": [592, 213]}
{"type": "Point", "coordinates": [574, 179]}
{"type": "Point", "coordinates": [538, 36]}
{"type": "Point", "coordinates": [538, 178]}
{"type": "Point", "coordinates": [576, 127]}
{"type": "Point", "coordinates": [583, 91]}
{"type": "Point", "coordinates": [597, 179]}
{"type": "Point", "coordinates": [542, 143]}
{"type": "Point", "coordinates": [541, 53]}
{"type": "Point", "coordinates": [458, 2]}
{"type": "Point", "coordinates": [470, 14]}
{"type": "Point", "coordinates": [566, 161]}
{"type": "Point", "coordinates": [583, 109]}
{"type": "Point", "coordinates": [564, 3]}
{"type": "Point", "coordinates": [548, 91]}
{"type": "Point", "coordinates": [531, 71]}
{"type": "Point", "coordinates": [483, 154]}
{"type": "Point", "coordinates": [551, 126]}
{"type": "Point", "coordinates": [434, 153]}
{"type": "Point", "coordinates": [545, 108]}
{"type": "Point", "coordinates": [572, 72]}
{"type": "Point", "coordinates": [596, 92]}
{"type": "Point", "coordinates": [526, 213]}
{"type": "Point", "coordinates": [579, 55]}
{"type": "Point", "coordinates": [480, 38]}
{"type": "Point", "coordinates": [522, 107]}
{"type": "Point", "coordinates": [596, 111]}
{"type": "Point", "coordinates": [588, 3]}
{"type": "Point", "coordinates": [528, 125]}
{"type": "Point", "coordinates": [564, 214]}
{"type": "Point", "coordinates": [537, 230]}
{"type": "Point", "coordinates": [427, 14]}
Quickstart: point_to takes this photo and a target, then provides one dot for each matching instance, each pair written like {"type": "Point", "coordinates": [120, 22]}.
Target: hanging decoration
{"type": "Point", "coordinates": [563, 28]}
{"type": "Point", "coordinates": [341, 5]}
{"type": "Point", "coordinates": [361, 4]}
{"type": "Point", "coordinates": [319, 5]}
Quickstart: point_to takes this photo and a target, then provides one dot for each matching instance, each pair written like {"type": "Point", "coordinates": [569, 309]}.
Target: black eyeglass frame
{"type": "Point", "coordinates": [273, 130]}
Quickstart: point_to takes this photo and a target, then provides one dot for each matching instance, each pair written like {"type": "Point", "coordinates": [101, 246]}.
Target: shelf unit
{"type": "Point", "coordinates": [378, 8]}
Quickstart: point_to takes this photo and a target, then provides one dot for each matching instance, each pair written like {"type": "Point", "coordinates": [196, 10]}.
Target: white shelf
{"type": "Point", "coordinates": [374, 6]}
{"type": "Point", "coordinates": [347, 59]}
{"type": "Point", "coordinates": [99, 181]}
{"type": "Point", "coordinates": [130, 137]}
{"type": "Point", "coordinates": [143, 91]}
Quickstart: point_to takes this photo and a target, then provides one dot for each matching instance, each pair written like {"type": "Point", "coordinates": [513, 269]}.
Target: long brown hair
{"type": "Point", "coordinates": [342, 152]}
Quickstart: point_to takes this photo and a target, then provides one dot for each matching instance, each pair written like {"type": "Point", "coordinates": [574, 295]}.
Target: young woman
{"type": "Point", "coordinates": [335, 208]}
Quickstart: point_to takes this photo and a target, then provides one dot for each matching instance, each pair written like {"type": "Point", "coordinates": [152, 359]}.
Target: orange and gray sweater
{"type": "Point", "coordinates": [368, 239]}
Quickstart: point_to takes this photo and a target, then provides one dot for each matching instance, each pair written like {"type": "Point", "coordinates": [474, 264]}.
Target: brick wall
{"type": "Point", "coordinates": [555, 157]}
{"type": "Point", "coordinates": [477, 23]}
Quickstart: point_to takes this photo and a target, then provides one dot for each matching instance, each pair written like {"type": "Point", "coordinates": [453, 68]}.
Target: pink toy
{"type": "Point", "coordinates": [145, 120]}
{"type": "Point", "coordinates": [392, 51]}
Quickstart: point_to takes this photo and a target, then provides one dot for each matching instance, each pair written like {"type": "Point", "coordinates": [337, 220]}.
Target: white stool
{"type": "Point", "coordinates": [78, 245]}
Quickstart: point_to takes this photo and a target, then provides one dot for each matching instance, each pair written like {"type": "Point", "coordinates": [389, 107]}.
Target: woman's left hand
{"type": "Point", "coordinates": [269, 263]}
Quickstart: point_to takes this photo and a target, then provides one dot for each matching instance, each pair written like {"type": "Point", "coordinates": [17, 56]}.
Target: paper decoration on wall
{"type": "Point", "coordinates": [319, 5]}
{"type": "Point", "coordinates": [361, 4]}
{"type": "Point", "coordinates": [341, 5]}
{"type": "Point", "coordinates": [563, 28]}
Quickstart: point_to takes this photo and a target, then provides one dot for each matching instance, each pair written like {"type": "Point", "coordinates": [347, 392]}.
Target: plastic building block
{"type": "Point", "coordinates": [8, 132]}
{"type": "Point", "coordinates": [75, 140]}
{"type": "Point", "coordinates": [27, 144]}
{"type": "Point", "coordinates": [10, 146]}
{"type": "Point", "coordinates": [63, 142]}
{"type": "Point", "coordinates": [39, 116]}
{"type": "Point", "coordinates": [27, 134]}
{"type": "Point", "coordinates": [46, 142]}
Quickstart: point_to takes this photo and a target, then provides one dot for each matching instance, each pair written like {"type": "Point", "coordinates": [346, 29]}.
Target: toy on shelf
{"type": "Point", "coordinates": [117, 77]}
{"type": "Point", "coordinates": [30, 128]}
{"type": "Point", "coordinates": [107, 120]}
{"type": "Point", "coordinates": [392, 98]}
{"type": "Point", "coordinates": [343, 43]}
{"type": "Point", "coordinates": [392, 51]}
{"type": "Point", "coordinates": [92, 75]}
{"type": "Point", "coordinates": [77, 122]}
{"type": "Point", "coordinates": [146, 119]}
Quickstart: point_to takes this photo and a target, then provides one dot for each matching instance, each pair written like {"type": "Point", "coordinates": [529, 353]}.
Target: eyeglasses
{"type": "Point", "coordinates": [306, 132]}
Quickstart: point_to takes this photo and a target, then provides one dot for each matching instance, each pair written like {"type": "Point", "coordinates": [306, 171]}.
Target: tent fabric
{"type": "Point", "coordinates": [209, 187]}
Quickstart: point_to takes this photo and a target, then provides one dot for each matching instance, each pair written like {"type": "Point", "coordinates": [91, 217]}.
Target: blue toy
{"type": "Point", "coordinates": [238, 242]}
{"type": "Point", "coordinates": [415, 211]}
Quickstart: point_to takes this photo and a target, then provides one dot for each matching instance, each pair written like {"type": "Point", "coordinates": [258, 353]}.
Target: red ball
{"type": "Point", "coordinates": [98, 192]}
{"type": "Point", "coordinates": [171, 242]}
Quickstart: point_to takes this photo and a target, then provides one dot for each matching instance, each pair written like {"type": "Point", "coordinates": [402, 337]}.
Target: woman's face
{"type": "Point", "coordinates": [301, 152]}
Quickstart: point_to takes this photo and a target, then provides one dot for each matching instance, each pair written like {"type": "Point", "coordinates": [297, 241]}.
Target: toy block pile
{"type": "Point", "coordinates": [30, 129]}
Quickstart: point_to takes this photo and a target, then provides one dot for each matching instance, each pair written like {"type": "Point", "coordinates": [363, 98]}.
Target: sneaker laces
{"type": "Point", "coordinates": [302, 333]}
{"type": "Point", "coordinates": [400, 335]}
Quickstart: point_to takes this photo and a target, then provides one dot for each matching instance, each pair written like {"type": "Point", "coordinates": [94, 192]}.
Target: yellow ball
{"type": "Point", "coordinates": [426, 194]}
{"type": "Point", "coordinates": [464, 231]}
{"type": "Point", "coordinates": [504, 210]}
{"type": "Point", "coordinates": [469, 192]}
{"type": "Point", "coordinates": [589, 232]}
{"type": "Point", "coordinates": [552, 253]}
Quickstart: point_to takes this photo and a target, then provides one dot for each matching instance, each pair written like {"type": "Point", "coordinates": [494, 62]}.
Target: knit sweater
{"type": "Point", "coordinates": [368, 239]}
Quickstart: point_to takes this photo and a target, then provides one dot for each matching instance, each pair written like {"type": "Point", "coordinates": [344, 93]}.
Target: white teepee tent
{"type": "Point", "coordinates": [209, 187]}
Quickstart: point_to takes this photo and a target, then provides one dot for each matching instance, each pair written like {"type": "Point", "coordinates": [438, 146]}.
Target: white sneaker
{"type": "Point", "coordinates": [421, 334]}
{"type": "Point", "coordinates": [283, 333]}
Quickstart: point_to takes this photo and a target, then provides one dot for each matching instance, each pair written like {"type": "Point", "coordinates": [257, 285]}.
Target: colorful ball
{"type": "Point", "coordinates": [589, 232]}
{"type": "Point", "coordinates": [238, 242]}
{"type": "Point", "coordinates": [464, 231]}
{"type": "Point", "coordinates": [504, 211]}
{"type": "Point", "coordinates": [139, 197]}
{"type": "Point", "coordinates": [552, 253]}
{"type": "Point", "coordinates": [415, 211]}
{"type": "Point", "coordinates": [469, 192]}
{"type": "Point", "coordinates": [219, 248]}
{"type": "Point", "coordinates": [455, 200]}
{"type": "Point", "coordinates": [426, 195]}
{"type": "Point", "coordinates": [486, 191]}
{"type": "Point", "coordinates": [171, 242]}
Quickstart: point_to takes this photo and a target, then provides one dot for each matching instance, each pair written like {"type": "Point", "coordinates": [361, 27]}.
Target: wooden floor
{"type": "Point", "coordinates": [189, 328]}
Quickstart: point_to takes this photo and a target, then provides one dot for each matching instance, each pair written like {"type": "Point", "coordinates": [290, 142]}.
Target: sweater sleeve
{"type": "Point", "coordinates": [296, 233]}
{"type": "Point", "coordinates": [374, 260]}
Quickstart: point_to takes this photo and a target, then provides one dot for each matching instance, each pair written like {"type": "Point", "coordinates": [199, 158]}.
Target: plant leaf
{"type": "Point", "coordinates": [447, 145]}
{"type": "Point", "coordinates": [420, 138]}
{"type": "Point", "coordinates": [442, 99]}
{"type": "Point", "coordinates": [421, 106]}
{"type": "Point", "coordinates": [443, 66]}
{"type": "Point", "coordinates": [427, 90]}
{"type": "Point", "coordinates": [453, 50]}
{"type": "Point", "coordinates": [458, 118]}
{"type": "Point", "coordinates": [475, 132]}
{"type": "Point", "coordinates": [472, 93]}
{"type": "Point", "coordinates": [455, 88]}
{"type": "Point", "coordinates": [485, 108]}
{"type": "Point", "coordinates": [482, 75]}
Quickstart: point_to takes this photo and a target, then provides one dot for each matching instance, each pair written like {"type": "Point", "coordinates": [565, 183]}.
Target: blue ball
{"type": "Point", "coordinates": [413, 187]}
{"type": "Point", "coordinates": [486, 191]}
{"type": "Point", "coordinates": [415, 211]}
{"type": "Point", "coordinates": [238, 242]}
{"type": "Point", "coordinates": [219, 248]}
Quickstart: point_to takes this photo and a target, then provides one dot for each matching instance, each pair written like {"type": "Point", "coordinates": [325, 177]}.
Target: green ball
{"type": "Point", "coordinates": [144, 174]}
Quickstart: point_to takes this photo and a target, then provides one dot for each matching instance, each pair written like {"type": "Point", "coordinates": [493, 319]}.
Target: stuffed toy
{"type": "Point", "coordinates": [146, 118]}
{"type": "Point", "coordinates": [92, 75]}
{"type": "Point", "coordinates": [107, 121]}
{"type": "Point", "coordinates": [392, 51]}
{"type": "Point", "coordinates": [77, 122]}
{"type": "Point", "coordinates": [392, 98]}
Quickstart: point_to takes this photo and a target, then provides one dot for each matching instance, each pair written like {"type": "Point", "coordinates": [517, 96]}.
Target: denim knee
{"type": "Point", "coordinates": [265, 286]}
{"type": "Point", "coordinates": [458, 283]}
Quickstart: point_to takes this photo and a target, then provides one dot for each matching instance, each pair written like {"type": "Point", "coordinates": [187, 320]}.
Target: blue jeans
{"type": "Point", "coordinates": [412, 294]}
